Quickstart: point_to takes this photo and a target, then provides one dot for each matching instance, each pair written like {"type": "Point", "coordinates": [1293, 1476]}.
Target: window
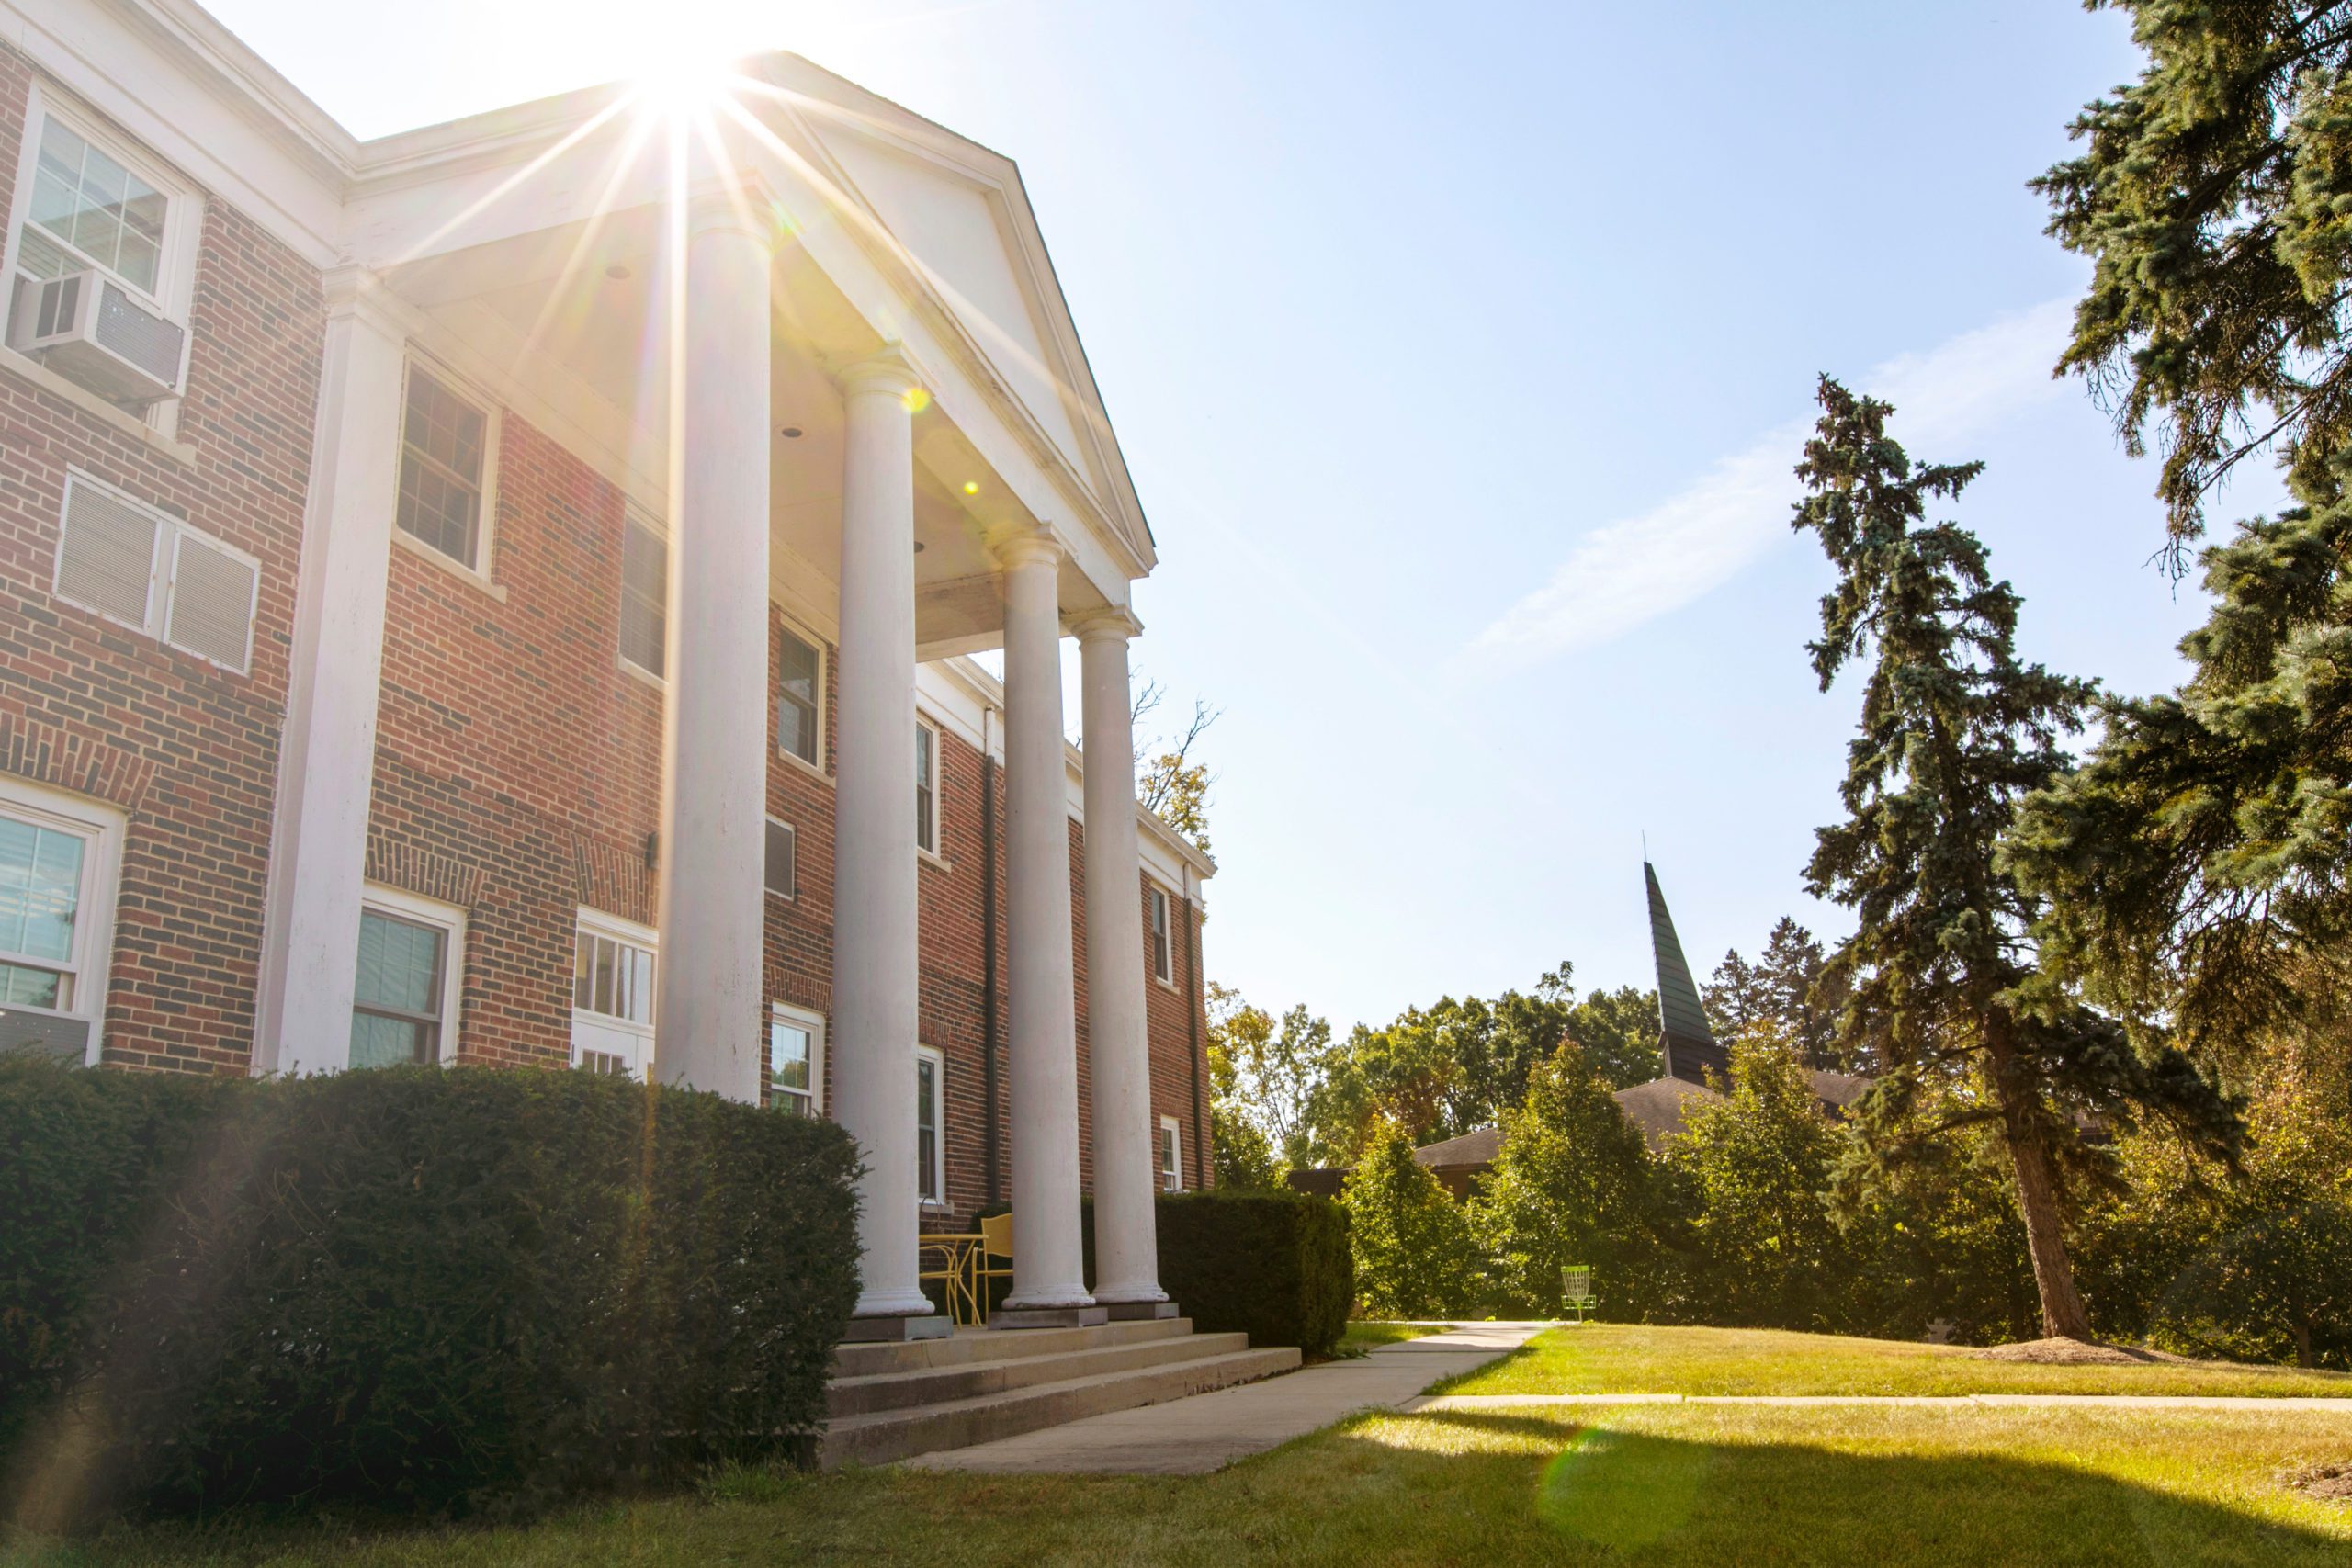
{"type": "Point", "coordinates": [926, 787]}
{"type": "Point", "coordinates": [89, 209]}
{"type": "Point", "coordinates": [645, 596]}
{"type": "Point", "coordinates": [931, 1136]}
{"type": "Point", "coordinates": [1163, 952]}
{"type": "Point", "coordinates": [404, 1004]}
{"type": "Point", "coordinates": [445, 461]}
{"type": "Point", "coordinates": [611, 994]}
{"type": "Point", "coordinates": [146, 570]}
{"type": "Point", "coordinates": [796, 1060]}
{"type": "Point", "coordinates": [58, 854]}
{"type": "Point", "coordinates": [784, 860]}
{"type": "Point", "coordinates": [800, 692]}
{"type": "Point", "coordinates": [1172, 1155]}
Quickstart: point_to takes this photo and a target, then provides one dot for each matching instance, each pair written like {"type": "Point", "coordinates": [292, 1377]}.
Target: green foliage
{"type": "Point", "coordinates": [1414, 1254]}
{"type": "Point", "coordinates": [432, 1290]}
{"type": "Point", "coordinates": [1935, 1235]}
{"type": "Point", "coordinates": [1954, 732]}
{"type": "Point", "coordinates": [1758, 1164]}
{"type": "Point", "coordinates": [1617, 1031]}
{"type": "Point", "coordinates": [1274, 1265]}
{"type": "Point", "coordinates": [2204, 848]}
{"type": "Point", "coordinates": [1789, 990]}
{"type": "Point", "coordinates": [1572, 1185]}
{"type": "Point", "coordinates": [2276, 1288]}
{"type": "Point", "coordinates": [1241, 1156]}
{"type": "Point", "coordinates": [1264, 1074]}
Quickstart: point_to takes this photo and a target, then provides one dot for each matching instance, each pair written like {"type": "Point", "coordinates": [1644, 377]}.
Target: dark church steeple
{"type": "Point", "coordinates": [1687, 1043]}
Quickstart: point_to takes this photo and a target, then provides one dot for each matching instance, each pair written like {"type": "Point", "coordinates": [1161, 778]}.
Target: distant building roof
{"type": "Point", "coordinates": [1839, 1091]}
{"type": "Point", "coordinates": [1477, 1148]}
{"type": "Point", "coordinates": [1658, 1107]}
{"type": "Point", "coordinates": [1687, 1045]}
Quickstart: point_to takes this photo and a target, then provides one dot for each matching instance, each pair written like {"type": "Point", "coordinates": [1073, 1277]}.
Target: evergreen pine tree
{"type": "Point", "coordinates": [1954, 731]}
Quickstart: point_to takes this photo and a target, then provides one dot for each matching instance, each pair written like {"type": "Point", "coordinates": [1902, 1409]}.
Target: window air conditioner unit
{"type": "Point", "coordinates": [87, 327]}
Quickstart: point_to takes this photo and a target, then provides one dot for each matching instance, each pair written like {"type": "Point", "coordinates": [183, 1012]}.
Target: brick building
{"type": "Point", "coordinates": [504, 594]}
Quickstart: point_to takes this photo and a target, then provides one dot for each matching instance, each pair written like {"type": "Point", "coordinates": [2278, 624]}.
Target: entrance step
{"type": "Point", "coordinates": [989, 1384]}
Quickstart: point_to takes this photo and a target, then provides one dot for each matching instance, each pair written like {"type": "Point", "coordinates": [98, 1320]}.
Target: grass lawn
{"type": "Point", "coordinates": [1609, 1358]}
{"type": "Point", "coordinates": [1629, 1486]}
{"type": "Point", "coordinates": [1365, 1335]}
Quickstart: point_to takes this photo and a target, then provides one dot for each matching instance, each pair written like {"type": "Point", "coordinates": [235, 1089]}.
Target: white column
{"type": "Point", "coordinates": [1126, 1246]}
{"type": "Point", "coordinates": [874, 1020]}
{"type": "Point", "coordinates": [714, 743]}
{"type": "Point", "coordinates": [1048, 1264]}
{"type": "Point", "coordinates": [326, 759]}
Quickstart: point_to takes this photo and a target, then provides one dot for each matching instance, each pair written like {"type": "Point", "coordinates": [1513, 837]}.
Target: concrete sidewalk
{"type": "Point", "coordinates": [2012, 1401]}
{"type": "Point", "coordinates": [1209, 1431]}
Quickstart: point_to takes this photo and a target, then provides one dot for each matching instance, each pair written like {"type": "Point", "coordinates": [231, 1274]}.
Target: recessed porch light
{"type": "Point", "coordinates": [790, 432]}
{"type": "Point", "coordinates": [616, 272]}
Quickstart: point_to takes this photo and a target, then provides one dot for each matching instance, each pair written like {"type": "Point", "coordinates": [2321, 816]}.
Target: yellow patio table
{"type": "Point", "coordinates": [957, 1273]}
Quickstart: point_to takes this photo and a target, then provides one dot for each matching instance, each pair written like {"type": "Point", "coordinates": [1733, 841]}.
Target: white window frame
{"type": "Point", "coordinates": [402, 904]}
{"type": "Point", "coordinates": [938, 1130]}
{"type": "Point", "coordinates": [467, 390]}
{"type": "Point", "coordinates": [1172, 1144]}
{"type": "Point", "coordinates": [635, 515]}
{"type": "Point", "coordinates": [926, 727]}
{"type": "Point", "coordinates": [807, 764]}
{"type": "Point", "coordinates": [101, 829]}
{"type": "Point", "coordinates": [814, 1024]}
{"type": "Point", "coordinates": [612, 928]}
{"type": "Point", "coordinates": [793, 897]}
{"type": "Point", "coordinates": [1160, 904]}
{"type": "Point", "coordinates": [173, 295]}
{"type": "Point", "coordinates": [163, 571]}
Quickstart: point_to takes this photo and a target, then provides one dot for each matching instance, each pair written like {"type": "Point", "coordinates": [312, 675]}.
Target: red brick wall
{"type": "Point", "coordinates": [517, 766]}
{"type": "Point", "coordinates": [189, 751]}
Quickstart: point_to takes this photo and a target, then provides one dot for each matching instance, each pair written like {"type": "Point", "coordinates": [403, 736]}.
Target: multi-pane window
{"type": "Point", "coordinates": [926, 787]}
{"type": "Point", "coordinates": [444, 450]}
{"type": "Point", "coordinates": [149, 571]}
{"type": "Point", "coordinates": [1163, 952]}
{"type": "Point", "coordinates": [645, 596]}
{"type": "Point", "coordinates": [612, 977]}
{"type": "Point", "coordinates": [613, 974]}
{"type": "Point", "coordinates": [783, 860]}
{"type": "Point", "coordinates": [799, 688]}
{"type": "Point", "coordinates": [396, 1015]}
{"type": "Point", "coordinates": [42, 868]}
{"type": "Point", "coordinates": [1172, 1155]}
{"type": "Point", "coordinates": [796, 1060]}
{"type": "Point", "coordinates": [931, 1147]}
{"type": "Point", "coordinates": [87, 210]}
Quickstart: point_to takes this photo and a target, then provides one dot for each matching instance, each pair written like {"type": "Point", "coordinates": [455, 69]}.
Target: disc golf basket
{"type": "Point", "coordinates": [1576, 1289]}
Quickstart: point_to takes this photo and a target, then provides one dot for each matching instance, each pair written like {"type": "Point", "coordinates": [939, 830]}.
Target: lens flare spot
{"type": "Point", "coordinates": [1621, 1490]}
{"type": "Point", "coordinates": [971, 487]}
{"type": "Point", "coordinates": [915, 398]}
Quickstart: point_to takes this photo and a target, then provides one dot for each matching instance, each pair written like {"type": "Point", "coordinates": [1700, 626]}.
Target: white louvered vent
{"type": "Point", "coordinates": [213, 603]}
{"type": "Point", "coordinates": [106, 554]}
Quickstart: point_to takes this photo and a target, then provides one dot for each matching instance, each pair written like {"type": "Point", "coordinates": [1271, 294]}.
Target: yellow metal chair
{"type": "Point", "coordinates": [961, 1309]}
{"type": "Point", "coordinates": [997, 1232]}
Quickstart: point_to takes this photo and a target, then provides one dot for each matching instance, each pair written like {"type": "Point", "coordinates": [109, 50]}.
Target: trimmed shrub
{"type": "Point", "coordinates": [1273, 1265]}
{"type": "Point", "coordinates": [427, 1289]}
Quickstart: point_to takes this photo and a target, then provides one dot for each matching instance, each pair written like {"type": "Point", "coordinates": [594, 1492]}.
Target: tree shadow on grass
{"type": "Point", "coordinates": [1609, 1492]}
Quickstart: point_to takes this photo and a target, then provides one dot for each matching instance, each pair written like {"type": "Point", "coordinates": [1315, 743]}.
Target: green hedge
{"type": "Point", "coordinates": [413, 1288]}
{"type": "Point", "coordinates": [1275, 1266]}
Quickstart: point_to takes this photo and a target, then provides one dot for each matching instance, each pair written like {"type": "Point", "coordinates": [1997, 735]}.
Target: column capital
{"type": "Point", "coordinates": [888, 370]}
{"type": "Point", "coordinates": [1024, 547]}
{"type": "Point", "coordinates": [735, 212]}
{"type": "Point", "coordinates": [357, 293]}
{"type": "Point", "coordinates": [1117, 622]}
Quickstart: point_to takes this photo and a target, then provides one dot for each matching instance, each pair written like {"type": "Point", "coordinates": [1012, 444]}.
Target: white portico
{"type": "Point", "coordinates": [816, 339]}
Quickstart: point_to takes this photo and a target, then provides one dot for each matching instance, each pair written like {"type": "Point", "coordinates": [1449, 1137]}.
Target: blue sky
{"type": "Point", "coordinates": [1461, 353]}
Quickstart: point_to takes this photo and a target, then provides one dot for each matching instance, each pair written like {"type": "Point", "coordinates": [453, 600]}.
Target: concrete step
{"type": "Point", "coordinates": [966, 1346]}
{"type": "Point", "coordinates": [881, 1437]}
{"type": "Point", "coordinates": [866, 1394]}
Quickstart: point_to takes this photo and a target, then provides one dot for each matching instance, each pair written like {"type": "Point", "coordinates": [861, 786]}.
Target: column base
{"type": "Point", "coordinates": [1049, 1317]}
{"type": "Point", "coordinates": [1140, 1311]}
{"type": "Point", "coordinates": [869, 1330]}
